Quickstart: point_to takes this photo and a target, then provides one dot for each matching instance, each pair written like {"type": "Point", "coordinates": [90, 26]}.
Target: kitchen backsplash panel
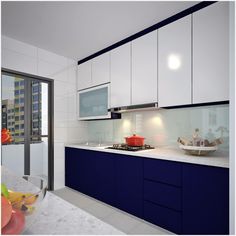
{"type": "Point", "coordinates": [163, 127]}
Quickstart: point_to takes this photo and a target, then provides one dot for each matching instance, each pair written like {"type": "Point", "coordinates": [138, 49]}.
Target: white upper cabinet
{"type": "Point", "coordinates": [84, 79]}
{"type": "Point", "coordinates": [101, 69]}
{"type": "Point", "coordinates": [144, 69]}
{"type": "Point", "coordinates": [121, 76]}
{"type": "Point", "coordinates": [211, 53]}
{"type": "Point", "coordinates": [174, 63]}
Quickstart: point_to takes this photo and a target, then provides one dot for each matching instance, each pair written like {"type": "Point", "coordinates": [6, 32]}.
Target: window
{"type": "Point", "coordinates": [16, 118]}
{"type": "Point", "coordinates": [16, 126]}
{"type": "Point", "coordinates": [17, 83]}
{"type": "Point", "coordinates": [22, 126]}
{"type": "Point", "coordinates": [17, 109]}
{"type": "Point", "coordinates": [16, 101]}
{"type": "Point", "coordinates": [22, 108]}
{"type": "Point", "coordinates": [22, 100]}
{"type": "Point", "coordinates": [35, 88]}
{"type": "Point", "coordinates": [17, 92]}
{"type": "Point", "coordinates": [22, 91]}
{"type": "Point", "coordinates": [35, 107]}
{"type": "Point", "coordinates": [22, 82]}
{"type": "Point", "coordinates": [35, 98]}
{"type": "Point", "coordinates": [35, 125]}
{"type": "Point", "coordinates": [22, 117]}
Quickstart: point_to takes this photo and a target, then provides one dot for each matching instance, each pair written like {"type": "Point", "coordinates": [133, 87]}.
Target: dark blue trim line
{"type": "Point", "coordinates": [167, 21]}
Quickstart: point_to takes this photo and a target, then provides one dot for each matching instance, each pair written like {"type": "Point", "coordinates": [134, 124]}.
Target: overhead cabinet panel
{"type": "Point", "coordinates": [121, 76]}
{"type": "Point", "coordinates": [101, 69]}
{"type": "Point", "coordinates": [174, 63]}
{"type": "Point", "coordinates": [144, 69]}
{"type": "Point", "coordinates": [211, 53]}
{"type": "Point", "coordinates": [84, 79]}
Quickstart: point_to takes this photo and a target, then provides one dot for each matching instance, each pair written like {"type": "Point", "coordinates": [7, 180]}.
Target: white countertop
{"type": "Point", "coordinates": [59, 217]}
{"type": "Point", "coordinates": [218, 158]}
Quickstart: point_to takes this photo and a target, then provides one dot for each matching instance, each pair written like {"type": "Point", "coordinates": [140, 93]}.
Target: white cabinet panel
{"type": "Point", "coordinates": [211, 53]}
{"type": "Point", "coordinates": [174, 63]}
{"type": "Point", "coordinates": [101, 69]}
{"type": "Point", "coordinates": [144, 69]}
{"type": "Point", "coordinates": [121, 76]}
{"type": "Point", "coordinates": [84, 75]}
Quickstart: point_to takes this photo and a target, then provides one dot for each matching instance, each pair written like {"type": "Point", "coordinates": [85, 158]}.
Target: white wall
{"type": "Point", "coordinates": [26, 58]}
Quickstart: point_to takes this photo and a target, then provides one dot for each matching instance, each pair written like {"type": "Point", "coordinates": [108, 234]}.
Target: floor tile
{"type": "Point", "coordinates": [122, 221]}
{"type": "Point", "coordinates": [148, 229]}
{"type": "Point", "coordinates": [100, 210]}
{"type": "Point", "coordinates": [75, 198]}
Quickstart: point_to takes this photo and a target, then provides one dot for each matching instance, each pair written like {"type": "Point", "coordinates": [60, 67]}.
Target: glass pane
{"type": "Point", "coordinates": [39, 127]}
{"type": "Point", "coordinates": [39, 158]}
{"type": "Point", "coordinates": [13, 123]}
{"type": "Point", "coordinates": [39, 123]}
{"type": "Point", "coordinates": [93, 103]}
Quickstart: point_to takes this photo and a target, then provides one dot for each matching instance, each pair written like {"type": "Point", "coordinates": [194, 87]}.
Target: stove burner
{"type": "Point", "coordinates": [125, 147]}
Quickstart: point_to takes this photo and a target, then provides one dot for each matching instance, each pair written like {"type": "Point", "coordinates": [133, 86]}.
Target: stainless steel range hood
{"type": "Point", "coordinates": [141, 107]}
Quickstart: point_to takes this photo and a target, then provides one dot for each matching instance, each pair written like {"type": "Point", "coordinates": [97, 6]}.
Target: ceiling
{"type": "Point", "coordinates": [79, 29]}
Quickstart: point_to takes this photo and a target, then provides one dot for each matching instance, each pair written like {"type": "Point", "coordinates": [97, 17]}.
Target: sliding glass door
{"type": "Point", "coordinates": [27, 119]}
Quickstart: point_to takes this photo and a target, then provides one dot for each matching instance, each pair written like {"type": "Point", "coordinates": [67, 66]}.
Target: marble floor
{"type": "Point", "coordinates": [120, 220]}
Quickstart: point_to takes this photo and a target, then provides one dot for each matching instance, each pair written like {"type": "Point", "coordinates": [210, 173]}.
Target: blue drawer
{"type": "Point", "coordinates": [163, 217]}
{"type": "Point", "coordinates": [163, 171]}
{"type": "Point", "coordinates": [162, 194]}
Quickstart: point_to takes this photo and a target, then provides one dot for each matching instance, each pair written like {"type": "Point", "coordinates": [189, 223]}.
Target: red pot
{"type": "Point", "coordinates": [135, 140]}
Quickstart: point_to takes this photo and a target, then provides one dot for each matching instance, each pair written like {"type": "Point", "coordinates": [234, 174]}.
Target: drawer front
{"type": "Point", "coordinates": [163, 217]}
{"type": "Point", "coordinates": [162, 194]}
{"type": "Point", "coordinates": [163, 171]}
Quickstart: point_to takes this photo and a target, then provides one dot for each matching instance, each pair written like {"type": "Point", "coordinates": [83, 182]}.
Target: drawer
{"type": "Point", "coordinates": [162, 194]}
{"type": "Point", "coordinates": [163, 217]}
{"type": "Point", "coordinates": [163, 171]}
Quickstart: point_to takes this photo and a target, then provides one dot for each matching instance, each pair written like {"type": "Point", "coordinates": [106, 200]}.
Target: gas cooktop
{"type": "Point", "coordinates": [125, 147]}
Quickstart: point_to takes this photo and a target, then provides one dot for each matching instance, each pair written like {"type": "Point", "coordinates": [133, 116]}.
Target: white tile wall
{"type": "Point", "coordinates": [26, 58]}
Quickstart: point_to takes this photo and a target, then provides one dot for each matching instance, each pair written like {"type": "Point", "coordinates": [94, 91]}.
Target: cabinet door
{"type": "Point", "coordinates": [101, 69]}
{"type": "Point", "coordinates": [211, 53]}
{"type": "Point", "coordinates": [121, 76]}
{"type": "Point", "coordinates": [71, 174]}
{"type": "Point", "coordinates": [84, 79]}
{"type": "Point", "coordinates": [205, 200]}
{"type": "Point", "coordinates": [174, 63]}
{"type": "Point", "coordinates": [129, 184]}
{"type": "Point", "coordinates": [104, 176]}
{"type": "Point", "coordinates": [144, 69]}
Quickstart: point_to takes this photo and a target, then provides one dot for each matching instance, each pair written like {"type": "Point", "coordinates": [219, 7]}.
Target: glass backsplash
{"type": "Point", "coordinates": [163, 127]}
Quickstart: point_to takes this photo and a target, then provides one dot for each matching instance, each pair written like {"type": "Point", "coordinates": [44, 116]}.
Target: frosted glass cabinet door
{"type": "Point", "coordinates": [93, 103]}
{"type": "Point", "coordinates": [121, 76]}
{"type": "Point", "coordinates": [211, 53]}
{"type": "Point", "coordinates": [174, 63]}
{"type": "Point", "coordinates": [144, 69]}
{"type": "Point", "coordinates": [84, 75]}
{"type": "Point", "coordinates": [101, 69]}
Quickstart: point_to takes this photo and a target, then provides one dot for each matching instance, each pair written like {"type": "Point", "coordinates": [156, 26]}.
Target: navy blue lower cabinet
{"type": "Point", "coordinates": [129, 184]}
{"type": "Point", "coordinates": [91, 172]}
{"type": "Point", "coordinates": [168, 172]}
{"type": "Point", "coordinates": [164, 217]}
{"type": "Point", "coordinates": [104, 176]}
{"type": "Point", "coordinates": [205, 200]}
{"type": "Point", "coordinates": [163, 194]}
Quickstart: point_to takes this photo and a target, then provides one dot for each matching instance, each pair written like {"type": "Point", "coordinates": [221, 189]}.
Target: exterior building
{"type": "Point", "coordinates": [13, 111]}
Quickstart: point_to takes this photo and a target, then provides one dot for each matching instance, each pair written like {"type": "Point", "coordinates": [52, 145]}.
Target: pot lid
{"type": "Point", "coordinates": [135, 137]}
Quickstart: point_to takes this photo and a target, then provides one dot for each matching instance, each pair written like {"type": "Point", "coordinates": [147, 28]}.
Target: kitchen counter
{"type": "Point", "coordinates": [60, 217]}
{"type": "Point", "coordinates": [218, 158]}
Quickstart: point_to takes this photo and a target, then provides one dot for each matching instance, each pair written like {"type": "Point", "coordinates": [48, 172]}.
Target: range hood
{"type": "Point", "coordinates": [141, 107]}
